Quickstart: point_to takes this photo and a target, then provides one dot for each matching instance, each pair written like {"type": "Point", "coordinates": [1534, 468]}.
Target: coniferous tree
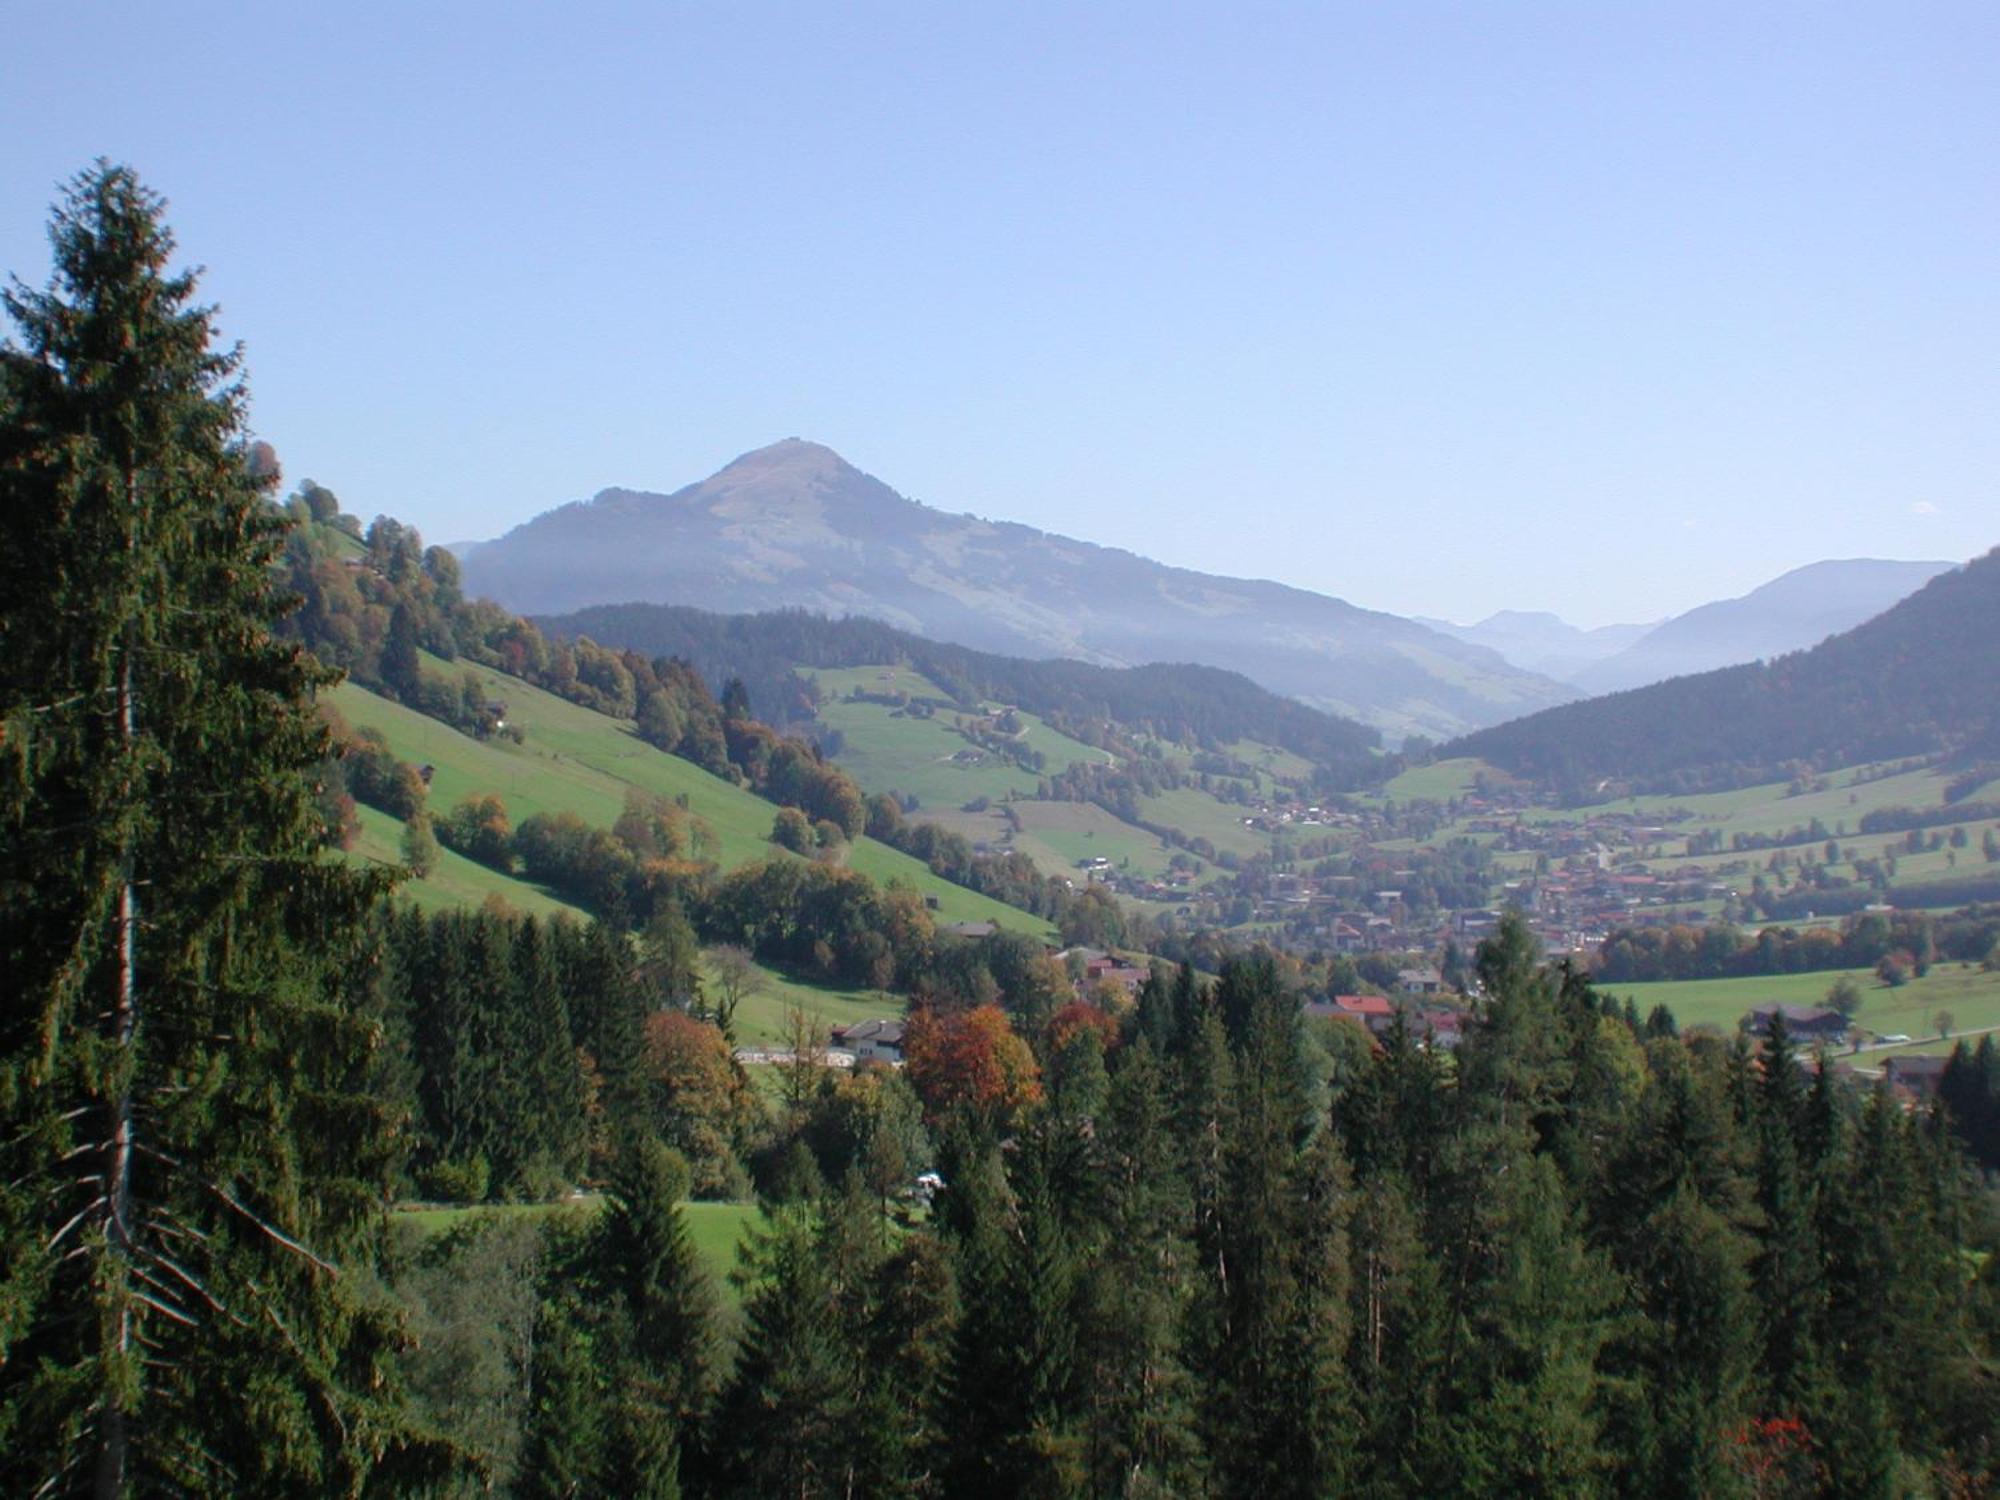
{"type": "Point", "coordinates": [189, 1157]}
{"type": "Point", "coordinates": [1273, 1339]}
{"type": "Point", "coordinates": [787, 1416]}
{"type": "Point", "coordinates": [1791, 1289]}
{"type": "Point", "coordinates": [1139, 1428]}
{"type": "Point", "coordinates": [659, 1322]}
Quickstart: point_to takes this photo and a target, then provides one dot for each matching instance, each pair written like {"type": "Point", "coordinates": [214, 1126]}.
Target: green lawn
{"type": "Point", "coordinates": [1970, 994]}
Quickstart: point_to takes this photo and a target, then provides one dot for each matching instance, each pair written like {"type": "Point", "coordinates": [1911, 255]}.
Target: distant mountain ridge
{"type": "Point", "coordinates": [1921, 678]}
{"type": "Point", "coordinates": [1538, 641]}
{"type": "Point", "coordinates": [1790, 613]}
{"type": "Point", "coordinates": [793, 526]}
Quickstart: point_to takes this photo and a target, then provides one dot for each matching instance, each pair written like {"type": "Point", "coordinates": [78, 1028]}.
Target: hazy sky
{"type": "Point", "coordinates": [1609, 308]}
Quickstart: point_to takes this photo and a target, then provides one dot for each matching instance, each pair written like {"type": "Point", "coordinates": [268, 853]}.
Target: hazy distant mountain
{"type": "Point", "coordinates": [1537, 641]}
{"type": "Point", "coordinates": [1921, 677]}
{"type": "Point", "coordinates": [795, 526]}
{"type": "Point", "coordinates": [1791, 612]}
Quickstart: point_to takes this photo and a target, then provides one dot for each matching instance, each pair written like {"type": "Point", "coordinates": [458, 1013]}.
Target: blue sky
{"type": "Point", "coordinates": [1606, 308]}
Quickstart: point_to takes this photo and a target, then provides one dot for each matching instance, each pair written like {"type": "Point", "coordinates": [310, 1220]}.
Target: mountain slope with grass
{"type": "Point", "coordinates": [573, 760]}
{"type": "Point", "coordinates": [787, 657]}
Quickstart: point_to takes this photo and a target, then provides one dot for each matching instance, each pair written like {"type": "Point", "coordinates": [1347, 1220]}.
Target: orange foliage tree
{"type": "Point", "coordinates": [972, 1058]}
{"type": "Point", "coordinates": [703, 1105]}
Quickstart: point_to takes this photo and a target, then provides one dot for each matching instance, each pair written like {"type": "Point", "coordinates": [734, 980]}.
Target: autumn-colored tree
{"type": "Point", "coordinates": [1080, 1015]}
{"type": "Point", "coordinates": [970, 1058]}
{"type": "Point", "coordinates": [702, 1104]}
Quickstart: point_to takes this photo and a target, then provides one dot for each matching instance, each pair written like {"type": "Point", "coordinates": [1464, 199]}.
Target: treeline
{"type": "Point", "coordinates": [1193, 705]}
{"type": "Point", "coordinates": [1918, 679]}
{"type": "Point", "coordinates": [1791, 906]}
{"type": "Point", "coordinates": [518, 1049]}
{"type": "Point", "coordinates": [1717, 950]}
{"type": "Point", "coordinates": [1901, 819]}
{"type": "Point", "coordinates": [1197, 1253]}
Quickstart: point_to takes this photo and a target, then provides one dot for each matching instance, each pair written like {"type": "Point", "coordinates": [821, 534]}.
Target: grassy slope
{"type": "Point", "coordinates": [1438, 782]}
{"type": "Point", "coordinates": [885, 752]}
{"type": "Point", "coordinates": [457, 881]}
{"type": "Point", "coordinates": [1055, 835]}
{"type": "Point", "coordinates": [578, 761]}
{"type": "Point", "coordinates": [914, 755]}
{"type": "Point", "coordinates": [1199, 815]}
{"type": "Point", "coordinates": [760, 1019]}
{"type": "Point", "coordinates": [1971, 995]}
{"type": "Point", "coordinates": [1278, 763]}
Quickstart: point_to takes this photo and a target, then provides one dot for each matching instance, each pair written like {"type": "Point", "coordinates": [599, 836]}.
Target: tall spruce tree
{"type": "Point", "coordinates": [190, 1161]}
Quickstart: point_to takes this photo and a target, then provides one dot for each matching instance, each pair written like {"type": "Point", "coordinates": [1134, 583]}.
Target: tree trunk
{"type": "Point", "coordinates": [113, 1441]}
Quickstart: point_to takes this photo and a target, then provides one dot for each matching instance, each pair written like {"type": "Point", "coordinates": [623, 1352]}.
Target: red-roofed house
{"type": "Point", "coordinates": [1372, 1011]}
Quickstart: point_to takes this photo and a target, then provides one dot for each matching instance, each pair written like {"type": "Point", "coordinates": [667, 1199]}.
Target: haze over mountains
{"type": "Point", "coordinates": [1538, 641]}
{"type": "Point", "coordinates": [795, 526]}
{"type": "Point", "coordinates": [1792, 612]}
{"type": "Point", "coordinates": [1920, 678]}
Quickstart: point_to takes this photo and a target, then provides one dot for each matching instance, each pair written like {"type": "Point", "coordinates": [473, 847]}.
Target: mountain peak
{"type": "Point", "coordinates": [792, 455]}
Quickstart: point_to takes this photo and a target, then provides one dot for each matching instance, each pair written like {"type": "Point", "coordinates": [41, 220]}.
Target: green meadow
{"type": "Point", "coordinates": [1971, 994]}
{"type": "Point", "coordinates": [578, 761]}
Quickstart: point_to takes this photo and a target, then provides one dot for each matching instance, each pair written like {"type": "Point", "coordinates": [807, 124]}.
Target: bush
{"type": "Point", "coordinates": [790, 830]}
{"type": "Point", "coordinates": [1895, 969]}
{"type": "Point", "coordinates": [455, 1181]}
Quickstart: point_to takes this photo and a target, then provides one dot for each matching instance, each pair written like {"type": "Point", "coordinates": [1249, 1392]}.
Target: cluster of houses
{"type": "Point", "coordinates": [1429, 1025]}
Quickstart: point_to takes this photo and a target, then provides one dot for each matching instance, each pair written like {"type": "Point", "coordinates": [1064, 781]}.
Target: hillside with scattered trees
{"type": "Point", "coordinates": [1183, 704]}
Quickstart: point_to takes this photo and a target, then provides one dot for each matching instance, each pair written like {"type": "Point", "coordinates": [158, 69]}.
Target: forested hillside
{"type": "Point", "coordinates": [1921, 678]}
{"type": "Point", "coordinates": [1195, 705]}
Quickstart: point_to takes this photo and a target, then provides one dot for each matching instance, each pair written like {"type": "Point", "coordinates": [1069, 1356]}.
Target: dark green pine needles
{"type": "Point", "coordinates": [191, 1166]}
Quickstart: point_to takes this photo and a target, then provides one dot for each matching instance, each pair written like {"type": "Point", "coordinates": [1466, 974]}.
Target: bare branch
{"type": "Point", "coordinates": [248, 1215]}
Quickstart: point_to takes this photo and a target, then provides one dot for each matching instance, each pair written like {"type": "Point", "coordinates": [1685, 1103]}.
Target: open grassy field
{"type": "Point", "coordinates": [1055, 835]}
{"type": "Point", "coordinates": [885, 750]}
{"type": "Point", "coordinates": [1199, 815]}
{"type": "Point", "coordinates": [1438, 782]}
{"type": "Point", "coordinates": [761, 1017]}
{"type": "Point", "coordinates": [579, 761]}
{"type": "Point", "coordinates": [457, 881]}
{"type": "Point", "coordinates": [887, 753]}
{"type": "Point", "coordinates": [1282, 764]}
{"type": "Point", "coordinates": [1970, 994]}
